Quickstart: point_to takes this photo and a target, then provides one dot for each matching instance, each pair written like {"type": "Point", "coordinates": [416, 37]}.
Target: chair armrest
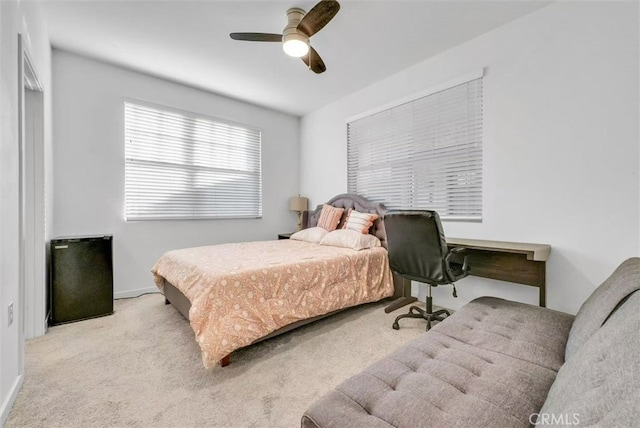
{"type": "Point", "coordinates": [457, 252]}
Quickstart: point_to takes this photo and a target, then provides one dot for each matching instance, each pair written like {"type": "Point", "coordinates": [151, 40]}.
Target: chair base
{"type": "Point", "coordinates": [416, 312]}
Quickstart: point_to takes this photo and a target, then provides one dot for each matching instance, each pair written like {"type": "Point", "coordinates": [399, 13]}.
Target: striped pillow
{"type": "Point", "coordinates": [330, 217]}
{"type": "Point", "coordinates": [360, 222]}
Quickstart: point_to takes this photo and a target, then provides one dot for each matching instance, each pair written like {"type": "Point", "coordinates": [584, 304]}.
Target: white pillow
{"type": "Point", "coordinates": [312, 234]}
{"type": "Point", "coordinates": [350, 239]}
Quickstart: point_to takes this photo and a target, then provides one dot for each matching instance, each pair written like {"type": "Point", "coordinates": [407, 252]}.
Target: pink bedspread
{"type": "Point", "coordinates": [242, 292]}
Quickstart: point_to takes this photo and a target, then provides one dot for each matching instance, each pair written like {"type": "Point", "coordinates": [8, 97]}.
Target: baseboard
{"type": "Point", "coordinates": [135, 293]}
{"type": "Point", "coordinates": [7, 404]}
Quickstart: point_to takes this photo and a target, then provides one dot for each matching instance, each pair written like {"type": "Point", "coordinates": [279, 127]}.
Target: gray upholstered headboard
{"type": "Point", "coordinates": [358, 203]}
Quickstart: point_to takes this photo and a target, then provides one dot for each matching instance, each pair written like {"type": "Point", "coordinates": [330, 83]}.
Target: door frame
{"type": "Point", "coordinates": [32, 254]}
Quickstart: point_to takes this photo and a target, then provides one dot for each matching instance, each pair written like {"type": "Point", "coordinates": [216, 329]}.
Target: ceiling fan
{"type": "Point", "coordinates": [295, 36]}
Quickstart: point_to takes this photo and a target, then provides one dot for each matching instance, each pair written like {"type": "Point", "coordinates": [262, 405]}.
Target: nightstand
{"type": "Point", "coordinates": [285, 235]}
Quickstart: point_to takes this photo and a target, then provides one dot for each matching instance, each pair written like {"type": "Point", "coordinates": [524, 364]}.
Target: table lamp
{"type": "Point", "coordinates": [299, 204]}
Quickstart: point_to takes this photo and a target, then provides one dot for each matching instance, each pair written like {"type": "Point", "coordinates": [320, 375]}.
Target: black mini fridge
{"type": "Point", "coordinates": [81, 278]}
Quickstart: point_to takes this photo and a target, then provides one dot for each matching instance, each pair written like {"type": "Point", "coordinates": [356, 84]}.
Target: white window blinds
{"type": "Point", "coordinates": [422, 154]}
{"type": "Point", "coordinates": [182, 166]}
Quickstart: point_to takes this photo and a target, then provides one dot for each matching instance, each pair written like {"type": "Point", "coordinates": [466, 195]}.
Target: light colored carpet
{"type": "Point", "coordinates": [141, 367]}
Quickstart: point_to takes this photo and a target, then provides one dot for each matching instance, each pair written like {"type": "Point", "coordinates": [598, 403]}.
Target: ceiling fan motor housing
{"type": "Point", "coordinates": [291, 32]}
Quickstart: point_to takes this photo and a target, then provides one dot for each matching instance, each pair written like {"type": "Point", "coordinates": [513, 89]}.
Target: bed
{"type": "Point", "coordinates": [238, 294]}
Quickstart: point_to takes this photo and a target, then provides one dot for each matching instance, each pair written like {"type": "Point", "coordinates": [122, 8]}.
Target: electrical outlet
{"type": "Point", "coordinates": [10, 313]}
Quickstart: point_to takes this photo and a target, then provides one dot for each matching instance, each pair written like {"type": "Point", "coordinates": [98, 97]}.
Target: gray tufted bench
{"type": "Point", "coordinates": [497, 363]}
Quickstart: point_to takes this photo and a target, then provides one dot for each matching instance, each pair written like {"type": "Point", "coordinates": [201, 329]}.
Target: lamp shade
{"type": "Point", "coordinates": [298, 203]}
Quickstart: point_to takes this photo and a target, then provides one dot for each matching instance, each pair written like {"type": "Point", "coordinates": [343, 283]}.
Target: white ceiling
{"type": "Point", "coordinates": [188, 42]}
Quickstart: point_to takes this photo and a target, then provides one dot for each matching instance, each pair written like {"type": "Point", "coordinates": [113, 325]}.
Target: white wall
{"type": "Point", "coordinates": [24, 18]}
{"type": "Point", "coordinates": [561, 146]}
{"type": "Point", "coordinates": [89, 166]}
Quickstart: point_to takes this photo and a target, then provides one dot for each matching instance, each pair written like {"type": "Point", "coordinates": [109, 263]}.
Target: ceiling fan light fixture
{"type": "Point", "coordinates": [294, 42]}
{"type": "Point", "coordinates": [295, 47]}
{"type": "Point", "coordinates": [295, 36]}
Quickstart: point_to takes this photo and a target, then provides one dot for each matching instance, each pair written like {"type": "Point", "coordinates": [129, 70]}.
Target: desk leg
{"type": "Point", "coordinates": [403, 285]}
{"type": "Point", "coordinates": [543, 285]}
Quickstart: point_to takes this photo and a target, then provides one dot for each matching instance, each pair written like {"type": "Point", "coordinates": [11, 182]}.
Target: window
{"type": "Point", "coordinates": [179, 165]}
{"type": "Point", "coordinates": [422, 154]}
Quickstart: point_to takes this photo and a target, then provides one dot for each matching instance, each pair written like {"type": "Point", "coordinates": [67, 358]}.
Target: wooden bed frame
{"type": "Point", "coordinates": [310, 219]}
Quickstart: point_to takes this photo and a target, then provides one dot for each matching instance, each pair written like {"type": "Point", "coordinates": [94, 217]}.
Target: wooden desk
{"type": "Point", "coordinates": [517, 262]}
{"type": "Point", "coordinates": [507, 261]}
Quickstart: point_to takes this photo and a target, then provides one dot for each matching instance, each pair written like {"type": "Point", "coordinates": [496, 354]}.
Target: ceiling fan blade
{"type": "Point", "coordinates": [313, 61]}
{"type": "Point", "coordinates": [257, 37]}
{"type": "Point", "coordinates": [318, 17]}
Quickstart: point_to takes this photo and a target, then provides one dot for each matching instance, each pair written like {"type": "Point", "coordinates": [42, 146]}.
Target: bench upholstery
{"type": "Point", "coordinates": [502, 363]}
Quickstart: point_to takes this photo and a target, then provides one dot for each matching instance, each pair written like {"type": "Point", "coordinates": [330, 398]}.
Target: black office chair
{"type": "Point", "coordinates": [418, 251]}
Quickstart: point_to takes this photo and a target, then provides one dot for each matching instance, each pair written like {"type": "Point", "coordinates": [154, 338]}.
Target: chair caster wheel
{"type": "Point", "coordinates": [396, 326]}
